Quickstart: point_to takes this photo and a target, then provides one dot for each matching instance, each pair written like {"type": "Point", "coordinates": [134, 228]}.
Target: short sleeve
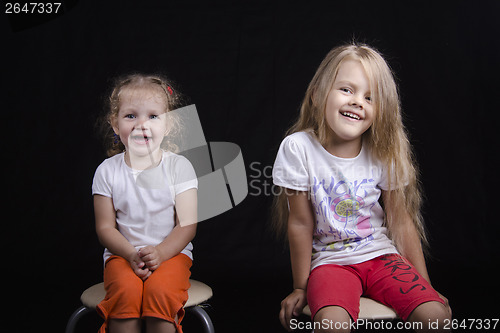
{"type": "Point", "coordinates": [385, 178]}
{"type": "Point", "coordinates": [102, 181]}
{"type": "Point", "coordinates": [184, 176]}
{"type": "Point", "coordinates": [290, 166]}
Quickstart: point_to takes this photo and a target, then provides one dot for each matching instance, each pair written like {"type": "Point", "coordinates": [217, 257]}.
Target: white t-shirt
{"type": "Point", "coordinates": [344, 194]}
{"type": "Point", "coordinates": [144, 199]}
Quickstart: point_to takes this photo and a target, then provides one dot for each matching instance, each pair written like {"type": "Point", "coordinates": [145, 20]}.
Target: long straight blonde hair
{"type": "Point", "coordinates": [386, 138]}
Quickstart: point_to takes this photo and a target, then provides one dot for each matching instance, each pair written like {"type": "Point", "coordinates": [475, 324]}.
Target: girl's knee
{"type": "Point", "coordinates": [332, 319]}
{"type": "Point", "coordinates": [431, 310]}
{"type": "Point", "coordinates": [132, 325]}
{"type": "Point", "coordinates": [441, 312]}
{"type": "Point", "coordinates": [434, 313]}
{"type": "Point", "coordinates": [159, 325]}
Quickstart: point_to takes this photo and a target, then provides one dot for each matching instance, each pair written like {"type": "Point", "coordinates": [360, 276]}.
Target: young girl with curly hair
{"type": "Point", "coordinates": [145, 202]}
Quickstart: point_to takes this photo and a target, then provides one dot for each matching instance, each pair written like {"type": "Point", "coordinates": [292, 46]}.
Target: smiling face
{"type": "Point", "coordinates": [141, 123]}
{"type": "Point", "coordinates": [349, 111]}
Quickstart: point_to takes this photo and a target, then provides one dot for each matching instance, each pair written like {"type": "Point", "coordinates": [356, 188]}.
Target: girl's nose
{"type": "Point", "coordinates": [356, 101]}
{"type": "Point", "coordinates": [141, 124]}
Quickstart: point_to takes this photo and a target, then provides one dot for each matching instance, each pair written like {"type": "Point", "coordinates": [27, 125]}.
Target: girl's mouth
{"type": "Point", "coordinates": [141, 139]}
{"type": "Point", "coordinates": [350, 115]}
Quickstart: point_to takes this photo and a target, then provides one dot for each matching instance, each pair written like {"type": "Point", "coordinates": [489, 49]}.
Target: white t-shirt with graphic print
{"type": "Point", "coordinates": [144, 200]}
{"type": "Point", "coordinates": [344, 193]}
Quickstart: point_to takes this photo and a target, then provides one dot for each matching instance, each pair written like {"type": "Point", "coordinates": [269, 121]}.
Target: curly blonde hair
{"type": "Point", "coordinates": [152, 82]}
{"type": "Point", "coordinates": [386, 138]}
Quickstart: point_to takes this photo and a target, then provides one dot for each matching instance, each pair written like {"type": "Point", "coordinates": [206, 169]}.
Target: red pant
{"type": "Point", "coordinates": [389, 279]}
{"type": "Point", "coordinates": [162, 295]}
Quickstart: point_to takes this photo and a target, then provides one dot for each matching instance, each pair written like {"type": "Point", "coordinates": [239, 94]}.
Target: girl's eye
{"type": "Point", "coordinates": [153, 116]}
{"type": "Point", "coordinates": [130, 116]}
{"type": "Point", "coordinates": [368, 98]}
{"type": "Point", "coordinates": [346, 90]}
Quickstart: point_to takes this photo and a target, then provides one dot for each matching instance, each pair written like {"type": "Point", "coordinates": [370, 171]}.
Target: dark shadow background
{"type": "Point", "coordinates": [246, 66]}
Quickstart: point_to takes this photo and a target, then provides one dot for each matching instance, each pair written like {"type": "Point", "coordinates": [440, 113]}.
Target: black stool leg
{"type": "Point", "coordinates": [204, 317]}
{"type": "Point", "coordinates": [70, 328]}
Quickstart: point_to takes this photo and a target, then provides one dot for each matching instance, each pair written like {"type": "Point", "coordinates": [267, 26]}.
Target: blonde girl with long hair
{"type": "Point", "coordinates": [350, 199]}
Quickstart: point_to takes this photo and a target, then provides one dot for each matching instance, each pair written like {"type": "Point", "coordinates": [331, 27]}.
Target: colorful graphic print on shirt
{"type": "Point", "coordinates": [343, 210]}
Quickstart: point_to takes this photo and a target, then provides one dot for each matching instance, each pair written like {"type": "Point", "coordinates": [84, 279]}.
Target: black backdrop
{"type": "Point", "coordinates": [246, 67]}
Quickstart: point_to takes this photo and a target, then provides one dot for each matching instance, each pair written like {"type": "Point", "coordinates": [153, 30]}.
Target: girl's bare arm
{"type": "Point", "coordinates": [112, 239]}
{"type": "Point", "coordinates": [300, 234]}
{"type": "Point", "coordinates": [186, 206]}
{"type": "Point", "coordinates": [105, 225]}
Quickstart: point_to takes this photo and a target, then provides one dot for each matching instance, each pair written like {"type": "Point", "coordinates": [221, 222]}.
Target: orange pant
{"type": "Point", "coordinates": [162, 295]}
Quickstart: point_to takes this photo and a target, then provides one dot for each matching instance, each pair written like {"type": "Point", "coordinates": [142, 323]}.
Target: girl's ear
{"type": "Point", "coordinates": [114, 125]}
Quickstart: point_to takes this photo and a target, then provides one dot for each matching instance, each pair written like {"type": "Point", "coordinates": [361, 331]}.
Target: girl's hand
{"type": "Point", "coordinates": [139, 267]}
{"type": "Point", "coordinates": [150, 256]}
{"type": "Point", "coordinates": [292, 306]}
